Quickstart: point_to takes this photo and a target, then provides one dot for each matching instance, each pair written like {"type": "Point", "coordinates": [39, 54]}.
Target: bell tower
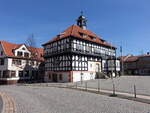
{"type": "Point", "coordinates": [81, 21]}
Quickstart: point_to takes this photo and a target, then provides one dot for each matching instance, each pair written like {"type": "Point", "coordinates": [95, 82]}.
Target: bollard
{"type": "Point", "coordinates": [134, 91]}
{"type": "Point", "coordinates": [98, 85]}
{"type": "Point", "coordinates": [76, 85]}
{"type": "Point", "coordinates": [114, 89]}
{"type": "Point", "coordinates": [86, 86]}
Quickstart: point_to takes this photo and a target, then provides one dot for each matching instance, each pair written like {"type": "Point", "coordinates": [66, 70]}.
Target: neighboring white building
{"type": "Point", "coordinates": [77, 54]}
{"type": "Point", "coordinates": [19, 62]}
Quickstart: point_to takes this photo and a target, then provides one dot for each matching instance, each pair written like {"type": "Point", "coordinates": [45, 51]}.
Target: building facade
{"type": "Point", "coordinates": [137, 65]}
{"type": "Point", "coordinates": [19, 62]}
{"type": "Point", "coordinates": [78, 54]}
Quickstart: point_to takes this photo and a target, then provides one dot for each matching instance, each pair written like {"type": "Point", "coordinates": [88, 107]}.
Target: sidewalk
{"type": "Point", "coordinates": [1, 104]}
{"type": "Point", "coordinates": [123, 95]}
{"type": "Point", "coordinates": [129, 96]}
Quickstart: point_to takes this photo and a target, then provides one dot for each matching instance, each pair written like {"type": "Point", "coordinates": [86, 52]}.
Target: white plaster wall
{"type": "Point", "coordinates": [92, 66]}
{"type": "Point", "coordinates": [104, 64]}
{"type": "Point", "coordinates": [21, 50]}
{"type": "Point", "coordinates": [86, 76]}
{"type": "Point", "coordinates": [117, 65]}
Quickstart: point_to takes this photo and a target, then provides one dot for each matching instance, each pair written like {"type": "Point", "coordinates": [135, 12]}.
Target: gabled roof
{"type": "Point", "coordinates": [77, 32]}
{"type": "Point", "coordinates": [10, 47]}
{"type": "Point", "coordinates": [129, 58]}
{"type": "Point", "coordinates": [132, 59]}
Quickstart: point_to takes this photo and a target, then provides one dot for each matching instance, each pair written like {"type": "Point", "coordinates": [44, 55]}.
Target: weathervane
{"type": "Point", "coordinates": [81, 13]}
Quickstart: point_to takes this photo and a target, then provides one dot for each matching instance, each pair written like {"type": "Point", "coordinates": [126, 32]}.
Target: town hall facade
{"type": "Point", "coordinates": [78, 54]}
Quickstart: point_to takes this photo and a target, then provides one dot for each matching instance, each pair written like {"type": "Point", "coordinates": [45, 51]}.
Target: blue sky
{"type": "Point", "coordinates": [121, 22]}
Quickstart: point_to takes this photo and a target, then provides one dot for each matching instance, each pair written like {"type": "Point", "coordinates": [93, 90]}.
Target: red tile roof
{"type": "Point", "coordinates": [10, 47]}
{"type": "Point", "coordinates": [132, 59]}
{"type": "Point", "coordinates": [76, 31]}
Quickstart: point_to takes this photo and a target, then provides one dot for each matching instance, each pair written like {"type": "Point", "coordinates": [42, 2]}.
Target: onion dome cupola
{"type": "Point", "coordinates": [81, 21]}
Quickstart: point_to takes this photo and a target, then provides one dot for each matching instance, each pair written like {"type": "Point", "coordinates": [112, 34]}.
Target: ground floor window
{"type": "Point", "coordinates": [60, 77]}
{"type": "Point", "coordinates": [26, 73]}
{"type": "Point", "coordinates": [13, 73]}
{"type": "Point", "coordinates": [0, 74]}
{"type": "Point", "coordinates": [20, 73]}
{"type": "Point", "coordinates": [49, 76]}
{"type": "Point", "coordinates": [6, 74]}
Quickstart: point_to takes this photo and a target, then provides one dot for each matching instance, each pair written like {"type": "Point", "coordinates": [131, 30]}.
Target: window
{"type": "Point", "coordinates": [0, 74]}
{"type": "Point", "coordinates": [23, 48]}
{"type": "Point", "coordinates": [2, 61]}
{"type": "Point", "coordinates": [13, 73]}
{"type": "Point", "coordinates": [16, 62]}
{"type": "Point", "coordinates": [2, 53]}
{"type": "Point", "coordinates": [50, 76]}
{"type": "Point", "coordinates": [60, 77]}
{"type": "Point", "coordinates": [5, 74]}
{"type": "Point", "coordinates": [26, 54]}
{"type": "Point", "coordinates": [27, 62]}
{"type": "Point", "coordinates": [93, 38]}
{"type": "Point", "coordinates": [26, 73]}
{"type": "Point", "coordinates": [19, 53]}
{"type": "Point", "coordinates": [20, 73]}
{"type": "Point", "coordinates": [37, 63]}
{"type": "Point", "coordinates": [32, 63]}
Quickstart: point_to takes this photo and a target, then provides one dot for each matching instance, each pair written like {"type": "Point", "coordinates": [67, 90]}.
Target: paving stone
{"type": "Point", "coordinates": [38, 99]}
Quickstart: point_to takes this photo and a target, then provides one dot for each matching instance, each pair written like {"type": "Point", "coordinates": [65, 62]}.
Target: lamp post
{"type": "Point", "coordinates": [111, 60]}
{"type": "Point", "coordinates": [122, 67]}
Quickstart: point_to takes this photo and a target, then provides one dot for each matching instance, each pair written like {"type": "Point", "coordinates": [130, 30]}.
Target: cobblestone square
{"type": "Point", "coordinates": [34, 99]}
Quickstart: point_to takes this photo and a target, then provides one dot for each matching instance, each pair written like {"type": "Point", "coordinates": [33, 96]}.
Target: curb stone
{"type": "Point", "coordinates": [8, 103]}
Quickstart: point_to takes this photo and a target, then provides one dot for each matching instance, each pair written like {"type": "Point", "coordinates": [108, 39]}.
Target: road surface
{"type": "Point", "coordinates": [34, 99]}
{"type": "Point", "coordinates": [1, 104]}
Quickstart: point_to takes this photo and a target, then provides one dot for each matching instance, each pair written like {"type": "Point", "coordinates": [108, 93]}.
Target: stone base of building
{"type": "Point", "coordinates": [69, 76]}
{"type": "Point", "coordinates": [17, 80]}
{"type": "Point", "coordinates": [7, 82]}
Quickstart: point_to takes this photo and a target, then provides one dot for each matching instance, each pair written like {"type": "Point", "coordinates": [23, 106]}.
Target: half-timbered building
{"type": "Point", "coordinates": [78, 54]}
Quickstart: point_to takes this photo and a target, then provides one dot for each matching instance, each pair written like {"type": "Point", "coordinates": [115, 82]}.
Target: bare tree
{"type": "Point", "coordinates": [31, 43]}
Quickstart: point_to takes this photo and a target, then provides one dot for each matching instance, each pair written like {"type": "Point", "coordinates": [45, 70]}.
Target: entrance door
{"type": "Point", "coordinates": [54, 77]}
{"type": "Point", "coordinates": [98, 69]}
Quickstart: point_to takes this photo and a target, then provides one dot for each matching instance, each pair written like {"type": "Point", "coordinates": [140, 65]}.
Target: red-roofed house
{"type": "Point", "coordinates": [19, 62]}
{"type": "Point", "coordinates": [78, 54]}
{"type": "Point", "coordinates": [137, 65]}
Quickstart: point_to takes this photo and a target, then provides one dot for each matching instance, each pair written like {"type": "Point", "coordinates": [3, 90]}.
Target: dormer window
{"type": "Point", "coordinates": [93, 38]}
{"type": "Point", "coordinates": [103, 41]}
{"type": "Point", "coordinates": [83, 35]}
{"type": "Point", "coordinates": [19, 53]}
{"type": "Point", "coordinates": [26, 54]}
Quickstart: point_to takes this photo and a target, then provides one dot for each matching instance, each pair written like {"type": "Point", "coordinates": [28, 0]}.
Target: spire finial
{"type": "Point", "coordinates": [81, 21]}
{"type": "Point", "coordinates": [81, 13]}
